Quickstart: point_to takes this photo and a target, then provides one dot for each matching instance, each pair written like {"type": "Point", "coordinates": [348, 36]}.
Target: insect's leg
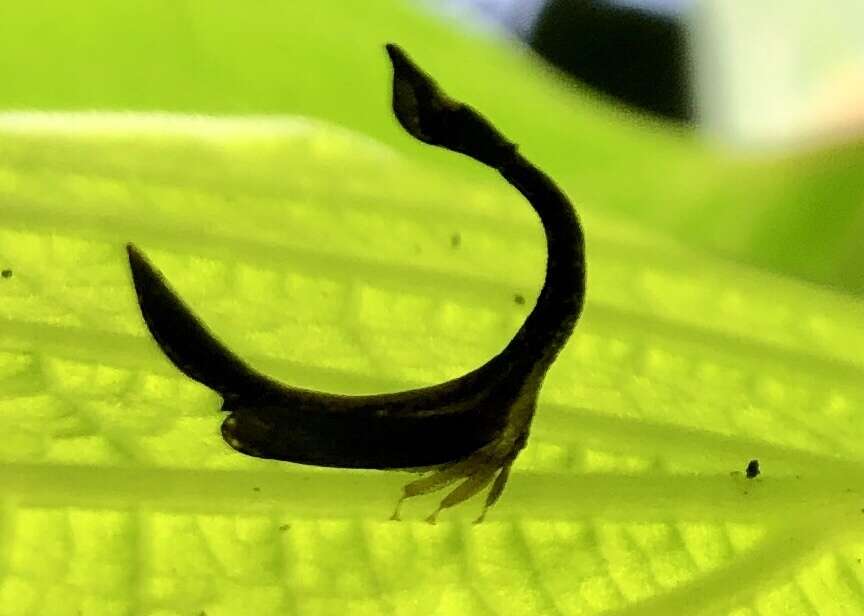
{"type": "Point", "coordinates": [501, 481]}
{"type": "Point", "coordinates": [437, 480]}
{"type": "Point", "coordinates": [464, 491]}
{"type": "Point", "coordinates": [495, 492]}
{"type": "Point", "coordinates": [397, 513]}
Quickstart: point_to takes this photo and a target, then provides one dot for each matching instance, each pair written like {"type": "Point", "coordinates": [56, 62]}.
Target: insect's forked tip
{"type": "Point", "coordinates": [418, 103]}
{"type": "Point", "coordinates": [137, 265]}
{"type": "Point", "coordinates": [394, 51]}
{"type": "Point", "coordinates": [428, 114]}
{"type": "Point", "coordinates": [402, 64]}
{"type": "Point", "coordinates": [137, 262]}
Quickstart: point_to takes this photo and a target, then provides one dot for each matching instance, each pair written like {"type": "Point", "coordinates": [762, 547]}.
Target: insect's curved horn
{"type": "Point", "coordinates": [429, 115]}
{"type": "Point", "coordinates": [183, 338]}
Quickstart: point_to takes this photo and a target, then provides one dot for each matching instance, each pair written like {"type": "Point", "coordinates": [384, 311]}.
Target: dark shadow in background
{"type": "Point", "coordinates": [635, 56]}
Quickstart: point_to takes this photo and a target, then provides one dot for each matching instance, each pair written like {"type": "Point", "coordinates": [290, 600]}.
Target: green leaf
{"type": "Point", "coordinates": [359, 262]}
{"type": "Point", "coordinates": [330, 261]}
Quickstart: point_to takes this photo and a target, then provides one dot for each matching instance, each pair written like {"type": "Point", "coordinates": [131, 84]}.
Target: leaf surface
{"type": "Point", "coordinates": [353, 260]}
{"type": "Point", "coordinates": [344, 275]}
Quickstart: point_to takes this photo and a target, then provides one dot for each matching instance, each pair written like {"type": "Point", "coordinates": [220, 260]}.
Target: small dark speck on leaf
{"type": "Point", "coordinates": [752, 469]}
{"type": "Point", "coordinates": [519, 299]}
{"type": "Point", "coordinates": [284, 527]}
{"type": "Point", "coordinates": [455, 240]}
{"type": "Point", "coordinates": [6, 273]}
{"type": "Point", "coordinates": [256, 489]}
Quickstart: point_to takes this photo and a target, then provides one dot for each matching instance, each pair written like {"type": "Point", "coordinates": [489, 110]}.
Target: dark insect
{"type": "Point", "coordinates": [752, 469]}
{"type": "Point", "coordinates": [6, 273]}
{"type": "Point", "coordinates": [467, 431]}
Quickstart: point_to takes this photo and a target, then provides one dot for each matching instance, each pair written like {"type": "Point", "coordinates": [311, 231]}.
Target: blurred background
{"type": "Point", "coordinates": [731, 126]}
{"type": "Point", "coordinates": [766, 75]}
{"type": "Point", "coordinates": [773, 89]}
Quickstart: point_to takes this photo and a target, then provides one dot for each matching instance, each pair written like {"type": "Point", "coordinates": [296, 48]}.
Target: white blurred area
{"type": "Point", "coordinates": [662, 7]}
{"type": "Point", "coordinates": [517, 17]}
{"type": "Point", "coordinates": [764, 74]}
{"type": "Point", "coordinates": [778, 73]}
{"type": "Point", "coordinates": [507, 17]}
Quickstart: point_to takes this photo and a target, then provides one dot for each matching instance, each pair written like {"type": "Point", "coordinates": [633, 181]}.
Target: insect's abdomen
{"type": "Point", "coordinates": [356, 440]}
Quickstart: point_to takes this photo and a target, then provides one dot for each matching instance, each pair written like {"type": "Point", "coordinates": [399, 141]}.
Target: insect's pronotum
{"type": "Point", "coordinates": [467, 431]}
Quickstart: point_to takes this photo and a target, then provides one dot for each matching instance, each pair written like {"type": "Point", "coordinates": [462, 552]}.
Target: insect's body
{"type": "Point", "coordinates": [469, 429]}
{"type": "Point", "coordinates": [418, 428]}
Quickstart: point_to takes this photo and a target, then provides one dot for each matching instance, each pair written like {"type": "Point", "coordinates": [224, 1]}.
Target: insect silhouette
{"type": "Point", "coordinates": [467, 431]}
